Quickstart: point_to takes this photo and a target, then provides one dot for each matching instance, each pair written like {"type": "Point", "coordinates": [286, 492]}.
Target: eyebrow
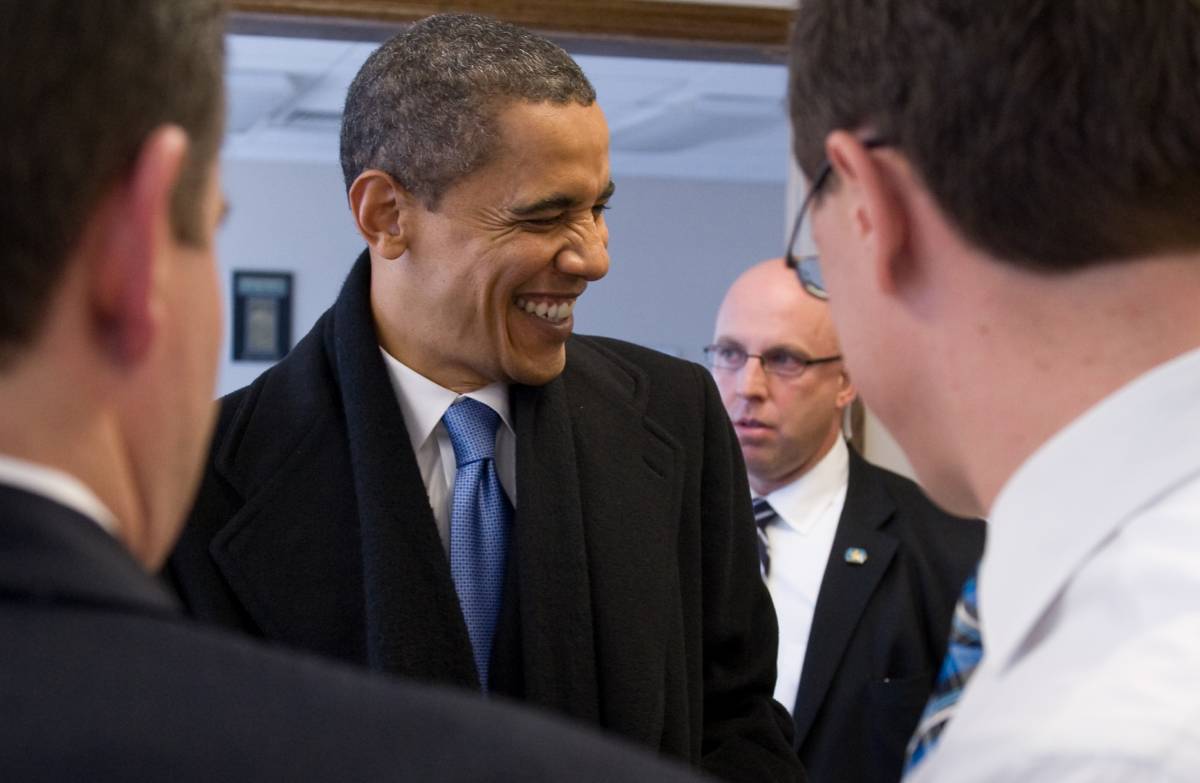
{"type": "Point", "coordinates": [559, 201]}
{"type": "Point", "coordinates": [726, 342]}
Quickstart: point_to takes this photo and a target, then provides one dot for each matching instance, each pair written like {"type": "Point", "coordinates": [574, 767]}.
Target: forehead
{"type": "Point", "coordinates": [545, 149]}
{"type": "Point", "coordinates": [761, 312]}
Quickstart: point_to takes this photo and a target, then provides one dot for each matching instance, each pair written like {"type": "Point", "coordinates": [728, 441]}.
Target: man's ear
{"type": "Point", "coordinates": [131, 238]}
{"type": "Point", "coordinates": [381, 210]}
{"type": "Point", "coordinates": [846, 393]}
{"type": "Point", "coordinates": [877, 216]}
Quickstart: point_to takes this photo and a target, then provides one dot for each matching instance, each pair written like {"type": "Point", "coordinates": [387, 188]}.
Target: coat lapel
{"type": "Point", "coordinates": [596, 484]}
{"type": "Point", "coordinates": [413, 619]}
{"type": "Point", "coordinates": [336, 533]}
{"type": "Point", "coordinates": [846, 588]}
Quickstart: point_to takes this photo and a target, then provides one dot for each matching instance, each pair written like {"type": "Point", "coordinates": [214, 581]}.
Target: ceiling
{"type": "Point", "coordinates": [715, 121]}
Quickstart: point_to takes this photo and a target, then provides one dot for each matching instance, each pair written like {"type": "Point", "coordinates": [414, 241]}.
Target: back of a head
{"type": "Point", "coordinates": [1055, 134]}
{"type": "Point", "coordinates": [423, 107]}
{"type": "Point", "coordinates": [82, 85]}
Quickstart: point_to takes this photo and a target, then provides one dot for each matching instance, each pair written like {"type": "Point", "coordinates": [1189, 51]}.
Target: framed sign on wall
{"type": "Point", "coordinates": [262, 315]}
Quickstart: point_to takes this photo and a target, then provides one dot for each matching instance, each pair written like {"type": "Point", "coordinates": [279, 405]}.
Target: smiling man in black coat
{"type": "Point", "coordinates": [110, 123]}
{"type": "Point", "coordinates": [617, 570]}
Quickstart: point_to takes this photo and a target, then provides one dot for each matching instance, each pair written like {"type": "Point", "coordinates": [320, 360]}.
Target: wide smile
{"type": "Point", "coordinates": [554, 310]}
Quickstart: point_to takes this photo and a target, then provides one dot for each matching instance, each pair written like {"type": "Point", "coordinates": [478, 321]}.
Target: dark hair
{"type": "Point", "coordinates": [423, 107]}
{"type": "Point", "coordinates": [1055, 134]}
{"type": "Point", "coordinates": [82, 85]}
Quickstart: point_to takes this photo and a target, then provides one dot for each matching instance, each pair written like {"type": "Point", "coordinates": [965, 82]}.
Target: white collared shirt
{"type": "Point", "coordinates": [800, 541]}
{"type": "Point", "coordinates": [1089, 602]}
{"type": "Point", "coordinates": [423, 404]}
{"type": "Point", "coordinates": [62, 488]}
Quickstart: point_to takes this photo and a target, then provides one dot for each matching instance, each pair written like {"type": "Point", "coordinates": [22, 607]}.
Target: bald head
{"type": "Point", "coordinates": [785, 424]}
{"type": "Point", "coordinates": [768, 298]}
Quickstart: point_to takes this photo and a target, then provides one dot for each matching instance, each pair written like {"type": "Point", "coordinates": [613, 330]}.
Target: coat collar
{"type": "Point", "coordinates": [846, 587]}
{"type": "Point", "coordinates": [332, 502]}
{"type": "Point", "coordinates": [590, 466]}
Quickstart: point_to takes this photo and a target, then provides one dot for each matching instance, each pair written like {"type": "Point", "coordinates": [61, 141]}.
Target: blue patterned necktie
{"type": "Point", "coordinates": [763, 516]}
{"type": "Point", "coordinates": [480, 519]}
{"type": "Point", "coordinates": [962, 658]}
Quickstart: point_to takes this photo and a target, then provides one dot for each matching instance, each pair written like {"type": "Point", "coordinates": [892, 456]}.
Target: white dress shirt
{"type": "Point", "coordinates": [423, 404]}
{"type": "Point", "coordinates": [799, 541]}
{"type": "Point", "coordinates": [62, 488]}
{"type": "Point", "coordinates": [1089, 603]}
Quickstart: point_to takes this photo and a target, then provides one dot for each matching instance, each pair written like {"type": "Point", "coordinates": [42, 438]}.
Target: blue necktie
{"type": "Point", "coordinates": [480, 519]}
{"type": "Point", "coordinates": [962, 657]}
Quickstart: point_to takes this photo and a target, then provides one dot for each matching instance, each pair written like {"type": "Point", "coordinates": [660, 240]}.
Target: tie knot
{"type": "Point", "coordinates": [763, 513]}
{"type": "Point", "coordinates": [472, 427]}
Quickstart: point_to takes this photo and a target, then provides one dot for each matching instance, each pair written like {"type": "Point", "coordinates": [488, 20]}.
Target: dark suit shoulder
{"type": "Point", "coordinates": [140, 698]}
{"type": "Point", "coordinates": [922, 515]}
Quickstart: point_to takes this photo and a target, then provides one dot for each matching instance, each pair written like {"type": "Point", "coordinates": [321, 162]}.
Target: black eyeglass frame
{"type": "Point", "coordinates": [807, 267]}
{"type": "Point", "coordinates": [710, 349]}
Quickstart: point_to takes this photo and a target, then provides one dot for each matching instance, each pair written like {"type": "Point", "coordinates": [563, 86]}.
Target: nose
{"type": "Point", "coordinates": [586, 255]}
{"type": "Point", "coordinates": [752, 379]}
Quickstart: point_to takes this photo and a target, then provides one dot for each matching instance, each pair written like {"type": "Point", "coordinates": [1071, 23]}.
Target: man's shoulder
{"type": "Point", "coordinates": [170, 691]}
{"type": "Point", "coordinates": [597, 351]}
{"type": "Point", "coordinates": [673, 391]}
{"type": "Point", "coordinates": [922, 522]}
{"type": "Point", "coordinates": [283, 402]}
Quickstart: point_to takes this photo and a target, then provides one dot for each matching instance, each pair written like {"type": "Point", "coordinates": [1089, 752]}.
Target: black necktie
{"type": "Point", "coordinates": [763, 516]}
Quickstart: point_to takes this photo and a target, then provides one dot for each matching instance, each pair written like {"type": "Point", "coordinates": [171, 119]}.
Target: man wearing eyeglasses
{"type": "Point", "coordinates": [1006, 214]}
{"type": "Point", "coordinates": [863, 569]}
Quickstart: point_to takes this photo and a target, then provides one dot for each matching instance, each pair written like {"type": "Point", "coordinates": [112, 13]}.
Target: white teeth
{"type": "Point", "coordinates": [546, 310]}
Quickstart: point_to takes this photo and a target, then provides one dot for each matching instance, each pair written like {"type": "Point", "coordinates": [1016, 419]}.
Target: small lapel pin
{"type": "Point", "coordinates": [855, 555]}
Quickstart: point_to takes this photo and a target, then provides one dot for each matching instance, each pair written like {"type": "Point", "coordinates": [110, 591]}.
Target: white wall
{"type": "Point", "coordinates": [675, 246]}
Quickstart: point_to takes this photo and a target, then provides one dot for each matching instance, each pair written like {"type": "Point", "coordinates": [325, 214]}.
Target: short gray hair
{"type": "Point", "coordinates": [423, 107]}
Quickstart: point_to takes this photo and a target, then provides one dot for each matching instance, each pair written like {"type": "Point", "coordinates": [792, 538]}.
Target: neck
{"type": "Point", "coordinates": [50, 418]}
{"type": "Point", "coordinates": [1047, 348]}
{"type": "Point", "coordinates": [410, 338]}
{"type": "Point", "coordinates": [765, 485]}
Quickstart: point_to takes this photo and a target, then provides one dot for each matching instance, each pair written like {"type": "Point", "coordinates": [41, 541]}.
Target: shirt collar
{"type": "Point", "coordinates": [58, 486]}
{"type": "Point", "coordinates": [1078, 489]}
{"type": "Point", "coordinates": [799, 503]}
{"type": "Point", "coordinates": [423, 402]}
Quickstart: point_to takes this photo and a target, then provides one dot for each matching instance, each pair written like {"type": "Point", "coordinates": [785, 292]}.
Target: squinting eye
{"type": "Point", "coordinates": [730, 355]}
{"type": "Point", "coordinates": [600, 209]}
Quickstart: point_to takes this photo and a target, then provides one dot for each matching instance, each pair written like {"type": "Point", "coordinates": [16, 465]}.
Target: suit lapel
{"type": "Point", "coordinates": [846, 588]}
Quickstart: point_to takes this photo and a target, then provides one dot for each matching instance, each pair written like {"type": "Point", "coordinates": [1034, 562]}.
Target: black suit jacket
{"type": "Point", "coordinates": [102, 679]}
{"type": "Point", "coordinates": [633, 599]}
{"type": "Point", "coordinates": [880, 629]}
